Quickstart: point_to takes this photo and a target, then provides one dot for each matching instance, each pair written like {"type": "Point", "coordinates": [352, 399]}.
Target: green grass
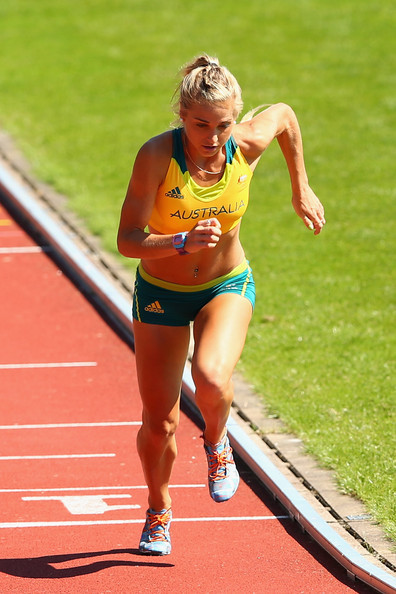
{"type": "Point", "coordinates": [83, 84]}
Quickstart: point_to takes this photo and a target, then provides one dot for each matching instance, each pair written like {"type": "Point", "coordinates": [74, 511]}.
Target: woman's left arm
{"type": "Point", "coordinates": [279, 121]}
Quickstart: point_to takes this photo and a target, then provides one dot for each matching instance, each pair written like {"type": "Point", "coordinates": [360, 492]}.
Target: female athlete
{"type": "Point", "coordinates": [181, 216]}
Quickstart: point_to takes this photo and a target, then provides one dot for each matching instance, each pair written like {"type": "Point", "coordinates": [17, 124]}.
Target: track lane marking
{"type": "Point", "coordinates": [8, 525]}
{"type": "Point", "coordinates": [33, 249]}
{"type": "Point", "coordinates": [57, 456]}
{"type": "Point", "coordinates": [107, 488]}
{"type": "Point", "coordinates": [87, 504]}
{"type": "Point", "coordinates": [72, 425]}
{"type": "Point", "coordinates": [47, 365]}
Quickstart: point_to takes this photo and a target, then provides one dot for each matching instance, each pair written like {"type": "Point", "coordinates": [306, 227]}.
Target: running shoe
{"type": "Point", "coordinates": [155, 538]}
{"type": "Point", "coordinates": [222, 473]}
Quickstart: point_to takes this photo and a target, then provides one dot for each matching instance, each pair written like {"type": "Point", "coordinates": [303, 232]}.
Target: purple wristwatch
{"type": "Point", "coordinates": [179, 241]}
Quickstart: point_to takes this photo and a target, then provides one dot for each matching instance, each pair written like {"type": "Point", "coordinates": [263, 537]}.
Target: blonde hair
{"type": "Point", "coordinates": [206, 81]}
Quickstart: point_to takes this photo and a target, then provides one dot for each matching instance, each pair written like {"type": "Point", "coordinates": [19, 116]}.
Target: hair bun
{"type": "Point", "coordinates": [204, 80]}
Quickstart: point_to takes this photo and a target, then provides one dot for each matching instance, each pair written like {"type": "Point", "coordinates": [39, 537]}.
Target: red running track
{"type": "Point", "coordinates": [72, 493]}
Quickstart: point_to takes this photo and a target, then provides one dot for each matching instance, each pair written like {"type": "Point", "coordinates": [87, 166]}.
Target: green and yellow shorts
{"type": "Point", "coordinates": [159, 302]}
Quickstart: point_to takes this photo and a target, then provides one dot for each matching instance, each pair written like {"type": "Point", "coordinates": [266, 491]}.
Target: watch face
{"type": "Point", "coordinates": [179, 240]}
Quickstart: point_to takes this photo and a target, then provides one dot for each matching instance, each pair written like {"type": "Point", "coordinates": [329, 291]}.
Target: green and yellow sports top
{"type": "Point", "coordinates": [181, 203]}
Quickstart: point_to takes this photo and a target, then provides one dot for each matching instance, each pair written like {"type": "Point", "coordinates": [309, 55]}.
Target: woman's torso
{"type": "Point", "coordinates": [183, 200]}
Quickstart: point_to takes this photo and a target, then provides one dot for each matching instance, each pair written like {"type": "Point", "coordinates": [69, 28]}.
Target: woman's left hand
{"type": "Point", "coordinates": [309, 208]}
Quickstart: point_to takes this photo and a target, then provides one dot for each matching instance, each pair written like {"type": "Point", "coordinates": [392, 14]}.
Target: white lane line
{"type": "Point", "coordinates": [81, 505]}
{"type": "Point", "coordinates": [231, 519]}
{"type": "Point", "coordinates": [141, 521]}
{"type": "Point", "coordinates": [60, 497]}
{"type": "Point", "coordinates": [47, 365]}
{"type": "Point", "coordinates": [34, 249]}
{"type": "Point", "coordinates": [108, 488]}
{"type": "Point", "coordinates": [57, 456]}
{"type": "Point", "coordinates": [73, 425]}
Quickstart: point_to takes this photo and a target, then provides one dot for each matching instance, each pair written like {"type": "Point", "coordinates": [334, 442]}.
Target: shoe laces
{"type": "Point", "coordinates": [217, 463]}
{"type": "Point", "coordinates": [157, 523]}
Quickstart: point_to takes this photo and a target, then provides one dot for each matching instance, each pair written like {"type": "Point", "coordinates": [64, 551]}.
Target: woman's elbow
{"type": "Point", "coordinates": [123, 245]}
{"type": "Point", "coordinates": [129, 241]}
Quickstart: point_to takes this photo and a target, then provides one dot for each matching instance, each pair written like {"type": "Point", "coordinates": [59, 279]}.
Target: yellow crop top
{"type": "Point", "coordinates": [181, 203]}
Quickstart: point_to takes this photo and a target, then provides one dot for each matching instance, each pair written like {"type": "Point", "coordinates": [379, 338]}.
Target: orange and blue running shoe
{"type": "Point", "coordinates": [222, 473]}
{"type": "Point", "coordinates": [155, 538]}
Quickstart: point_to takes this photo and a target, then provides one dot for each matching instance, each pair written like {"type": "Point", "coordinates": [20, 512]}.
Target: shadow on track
{"type": "Point", "coordinates": [43, 567]}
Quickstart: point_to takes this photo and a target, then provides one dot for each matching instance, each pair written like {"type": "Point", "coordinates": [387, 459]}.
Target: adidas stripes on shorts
{"type": "Point", "coordinates": [168, 304]}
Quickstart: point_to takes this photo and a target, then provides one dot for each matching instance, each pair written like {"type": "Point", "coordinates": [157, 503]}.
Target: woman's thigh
{"type": "Point", "coordinates": [160, 353]}
{"type": "Point", "coordinates": [220, 331]}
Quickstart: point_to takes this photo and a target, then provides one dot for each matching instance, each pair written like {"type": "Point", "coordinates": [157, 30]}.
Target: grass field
{"type": "Point", "coordinates": [84, 83]}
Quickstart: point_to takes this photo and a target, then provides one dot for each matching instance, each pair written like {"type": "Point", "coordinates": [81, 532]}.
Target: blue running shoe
{"type": "Point", "coordinates": [222, 472]}
{"type": "Point", "coordinates": [155, 538]}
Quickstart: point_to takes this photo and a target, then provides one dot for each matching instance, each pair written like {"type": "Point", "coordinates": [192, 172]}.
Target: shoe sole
{"type": "Point", "coordinates": [154, 553]}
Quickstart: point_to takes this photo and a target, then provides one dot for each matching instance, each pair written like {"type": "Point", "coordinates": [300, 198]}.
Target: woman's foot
{"type": "Point", "coordinates": [222, 473]}
{"type": "Point", "coordinates": [155, 538]}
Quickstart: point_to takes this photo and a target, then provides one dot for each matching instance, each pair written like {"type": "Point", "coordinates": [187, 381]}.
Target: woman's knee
{"type": "Point", "coordinates": [211, 379]}
{"type": "Point", "coordinates": [159, 428]}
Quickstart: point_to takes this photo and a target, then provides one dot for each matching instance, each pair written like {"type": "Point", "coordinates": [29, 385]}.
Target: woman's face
{"type": "Point", "coordinates": [208, 126]}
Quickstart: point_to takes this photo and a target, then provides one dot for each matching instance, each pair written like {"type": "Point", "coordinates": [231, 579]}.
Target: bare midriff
{"type": "Point", "coordinates": [200, 267]}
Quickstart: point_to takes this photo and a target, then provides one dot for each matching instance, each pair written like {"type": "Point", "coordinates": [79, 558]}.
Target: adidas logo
{"type": "Point", "coordinates": [175, 193]}
{"type": "Point", "coordinates": [154, 307]}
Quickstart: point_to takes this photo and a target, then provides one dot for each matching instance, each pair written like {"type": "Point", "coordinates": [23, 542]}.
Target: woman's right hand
{"type": "Point", "coordinates": [205, 234]}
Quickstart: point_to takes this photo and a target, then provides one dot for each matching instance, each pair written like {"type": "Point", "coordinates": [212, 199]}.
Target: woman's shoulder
{"type": "Point", "coordinates": [162, 143]}
{"type": "Point", "coordinates": [257, 130]}
{"type": "Point", "coordinates": [156, 151]}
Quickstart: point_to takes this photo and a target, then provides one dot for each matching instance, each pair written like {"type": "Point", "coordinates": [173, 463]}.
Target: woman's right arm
{"type": "Point", "coordinates": [148, 173]}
